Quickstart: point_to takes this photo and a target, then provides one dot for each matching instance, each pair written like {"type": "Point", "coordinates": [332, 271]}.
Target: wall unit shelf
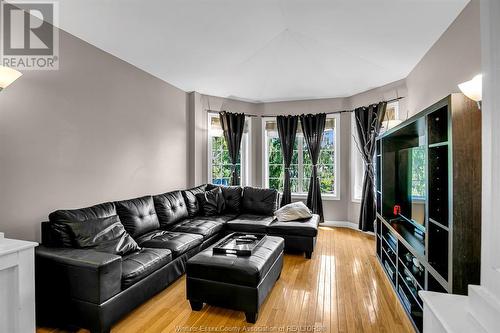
{"type": "Point", "coordinates": [428, 192]}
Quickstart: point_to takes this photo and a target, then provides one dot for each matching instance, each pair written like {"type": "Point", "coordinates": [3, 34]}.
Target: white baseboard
{"type": "Point", "coordinates": [341, 224]}
{"type": "Point", "coordinates": [344, 224]}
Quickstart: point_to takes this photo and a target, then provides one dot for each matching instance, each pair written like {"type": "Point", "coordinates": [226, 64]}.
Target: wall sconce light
{"type": "Point", "coordinates": [473, 89]}
{"type": "Point", "coordinates": [7, 76]}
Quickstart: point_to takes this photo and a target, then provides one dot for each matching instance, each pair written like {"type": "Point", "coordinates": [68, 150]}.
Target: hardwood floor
{"type": "Point", "coordinates": [341, 289]}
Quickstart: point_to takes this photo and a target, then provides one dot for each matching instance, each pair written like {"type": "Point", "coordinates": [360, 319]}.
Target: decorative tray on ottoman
{"type": "Point", "coordinates": [240, 244]}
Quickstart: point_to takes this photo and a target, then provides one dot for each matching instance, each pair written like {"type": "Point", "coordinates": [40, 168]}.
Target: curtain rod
{"type": "Point", "coordinates": [331, 112]}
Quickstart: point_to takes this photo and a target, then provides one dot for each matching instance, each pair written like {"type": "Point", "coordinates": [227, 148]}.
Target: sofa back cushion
{"type": "Point", "coordinates": [191, 201]}
{"type": "Point", "coordinates": [170, 208]}
{"type": "Point", "coordinates": [103, 235]}
{"type": "Point", "coordinates": [259, 201]}
{"type": "Point", "coordinates": [138, 215]}
{"type": "Point", "coordinates": [232, 198]}
{"type": "Point", "coordinates": [59, 219]}
{"type": "Point", "coordinates": [212, 202]}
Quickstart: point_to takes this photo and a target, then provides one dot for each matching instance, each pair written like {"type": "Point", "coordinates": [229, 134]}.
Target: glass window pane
{"type": "Point", "coordinates": [221, 162]}
{"type": "Point", "coordinates": [326, 157]}
{"type": "Point", "coordinates": [326, 170]}
{"type": "Point", "coordinates": [294, 170]}
{"type": "Point", "coordinates": [294, 184]}
{"type": "Point", "coordinates": [295, 157]}
{"type": "Point", "coordinates": [275, 158]}
{"type": "Point", "coordinates": [328, 139]}
{"type": "Point", "coordinates": [307, 170]}
{"type": "Point", "coordinates": [275, 183]}
{"type": "Point", "coordinates": [327, 184]}
{"type": "Point", "coordinates": [305, 185]}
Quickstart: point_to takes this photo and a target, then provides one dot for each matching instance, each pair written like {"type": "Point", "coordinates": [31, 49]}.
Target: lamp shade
{"type": "Point", "coordinates": [473, 88]}
{"type": "Point", "coordinates": [7, 76]}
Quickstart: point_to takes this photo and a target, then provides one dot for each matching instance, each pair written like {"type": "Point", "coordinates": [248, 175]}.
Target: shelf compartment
{"type": "Point", "coordinates": [390, 253]}
{"type": "Point", "coordinates": [413, 265]}
{"type": "Point", "coordinates": [415, 241]}
{"type": "Point", "coordinates": [411, 306]}
{"type": "Point", "coordinates": [438, 249]}
{"type": "Point", "coordinates": [389, 268]}
{"type": "Point", "coordinates": [437, 124]}
{"type": "Point", "coordinates": [411, 285]}
{"type": "Point", "coordinates": [438, 184]}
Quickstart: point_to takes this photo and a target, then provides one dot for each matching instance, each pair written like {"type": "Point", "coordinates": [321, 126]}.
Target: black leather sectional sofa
{"type": "Point", "coordinates": [79, 286]}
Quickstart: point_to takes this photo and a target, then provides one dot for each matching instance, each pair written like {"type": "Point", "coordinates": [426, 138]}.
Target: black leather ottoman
{"type": "Point", "coordinates": [235, 282]}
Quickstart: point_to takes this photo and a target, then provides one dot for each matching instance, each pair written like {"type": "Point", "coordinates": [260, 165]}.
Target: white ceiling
{"type": "Point", "coordinates": [265, 50]}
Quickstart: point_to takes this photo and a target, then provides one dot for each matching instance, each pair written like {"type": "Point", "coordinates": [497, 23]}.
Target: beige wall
{"type": "Point", "coordinates": [454, 58]}
{"type": "Point", "coordinates": [97, 129]}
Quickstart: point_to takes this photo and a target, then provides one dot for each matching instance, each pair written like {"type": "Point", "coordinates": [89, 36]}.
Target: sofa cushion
{"type": "Point", "coordinates": [250, 223]}
{"type": "Point", "coordinates": [200, 226]}
{"type": "Point", "coordinates": [232, 198]}
{"type": "Point", "coordinates": [177, 242]}
{"type": "Point", "coordinates": [59, 218]}
{"type": "Point", "coordinates": [212, 201]}
{"type": "Point", "coordinates": [224, 218]}
{"type": "Point", "coordinates": [170, 208]}
{"type": "Point", "coordinates": [137, 265]}
{"type": "Point", "coordinates": [239, 270]}
{"type": "Point", "coordinates": [138, 215]}
{"type": "Point", "coordinates": [106, 234]}
{"type": "Point", "coordinates": [307, 227]}
{"type": "Point", "coordinates": [192, 204]}
{"type": "Point", "coordinates": [259, 201]}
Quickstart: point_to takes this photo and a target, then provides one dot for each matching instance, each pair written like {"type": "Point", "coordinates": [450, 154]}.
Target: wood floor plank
{"type": "Point", "coordinates": [341, 289]}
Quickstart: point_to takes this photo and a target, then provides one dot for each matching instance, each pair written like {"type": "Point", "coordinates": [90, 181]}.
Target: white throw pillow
{"type": "Point", "coordinates": [293, 211]}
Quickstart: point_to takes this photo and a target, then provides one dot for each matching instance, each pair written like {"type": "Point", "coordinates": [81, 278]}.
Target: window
{"type": "Point", "coordinates": [391, 117]}
{"type": "Point", "coordinates": [357, 164]}
{"type": "Point", "coordinates": [219, 162]}
{"type": "Point", "coordinates": [301, 166]}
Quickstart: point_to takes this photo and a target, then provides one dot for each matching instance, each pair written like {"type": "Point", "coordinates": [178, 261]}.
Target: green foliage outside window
{"type": "Point", "coordinates": [301, 166]}
{"type": "Point", "coordinates": [221, 162]}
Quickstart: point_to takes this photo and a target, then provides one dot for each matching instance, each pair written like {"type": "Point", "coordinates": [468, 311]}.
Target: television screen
{"type": "Point", "coordinates": [418, 184]}
{"type": "Point", "coordinates": [412, 185]}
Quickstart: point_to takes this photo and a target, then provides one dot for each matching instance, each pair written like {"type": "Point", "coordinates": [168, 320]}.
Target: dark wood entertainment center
{"type": "Point", "coordinates": [430, 241]}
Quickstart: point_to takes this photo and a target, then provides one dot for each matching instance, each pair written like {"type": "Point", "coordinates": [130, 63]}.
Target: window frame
{"type": "Point", "coordinates": [303, 195]}
{"type": "Point", "coordinates": [244, 151]}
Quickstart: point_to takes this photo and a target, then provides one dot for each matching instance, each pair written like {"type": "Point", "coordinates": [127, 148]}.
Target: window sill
{"type": "Point", "coordinates": [324, 197]}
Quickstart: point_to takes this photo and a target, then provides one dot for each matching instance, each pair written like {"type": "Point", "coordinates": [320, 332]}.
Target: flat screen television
{"type": "Point", "coordinates": [411, 185]}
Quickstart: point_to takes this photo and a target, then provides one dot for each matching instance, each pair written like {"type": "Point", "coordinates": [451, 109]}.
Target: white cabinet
{"type": "Point", "coordinates": [17, 286]}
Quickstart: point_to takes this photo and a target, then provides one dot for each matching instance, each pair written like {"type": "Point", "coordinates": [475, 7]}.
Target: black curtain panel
{"type": "Point", "coordinates": [313, 126]}
{"type": "Point", "coordinates": [287, 128]}
{"type": "Point", "coordinates": [368, 122]}
{"type": "Point", "coordinates": [233, 125]}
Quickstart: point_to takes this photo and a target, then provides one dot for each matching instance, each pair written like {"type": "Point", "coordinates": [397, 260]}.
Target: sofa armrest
{"type": "Point", "coordinates": [85, 275]}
